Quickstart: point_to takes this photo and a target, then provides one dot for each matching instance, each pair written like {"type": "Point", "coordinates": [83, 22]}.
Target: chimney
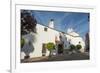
{"type": "Point", "coordinates": [51, 23]}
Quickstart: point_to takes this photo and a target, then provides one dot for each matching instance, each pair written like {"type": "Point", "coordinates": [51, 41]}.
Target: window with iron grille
{"type": "Point", "coordinates": [45, 29]}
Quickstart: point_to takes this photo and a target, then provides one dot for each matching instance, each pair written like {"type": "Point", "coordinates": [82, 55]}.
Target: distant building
{"type": "Point", "coordinates": [60, 39]}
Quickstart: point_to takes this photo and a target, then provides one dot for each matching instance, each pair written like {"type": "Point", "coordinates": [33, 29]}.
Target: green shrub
{"type": "Point", "coordinates": [72, 47]}
{"type": "Point", "coordinates": [50, 46]}
{"type": "Point", "coordinates": [78, 47]}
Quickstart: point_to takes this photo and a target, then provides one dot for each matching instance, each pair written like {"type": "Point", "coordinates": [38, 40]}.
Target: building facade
{"type": "Point", "coordinates": [48, 34]}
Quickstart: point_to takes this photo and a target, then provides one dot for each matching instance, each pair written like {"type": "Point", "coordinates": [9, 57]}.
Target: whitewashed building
{"type": "Point", "coordinates": [49, 34]}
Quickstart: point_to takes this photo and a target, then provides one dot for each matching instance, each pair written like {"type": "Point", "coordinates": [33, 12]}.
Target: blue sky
{"type": "Point", "coordinates": [64, 20]}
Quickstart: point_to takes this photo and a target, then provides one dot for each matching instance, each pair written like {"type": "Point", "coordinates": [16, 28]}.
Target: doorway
{"type": "Point", "coordinates": [60, 48]}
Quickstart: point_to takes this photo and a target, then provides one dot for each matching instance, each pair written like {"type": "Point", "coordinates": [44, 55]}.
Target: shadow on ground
{"type": "Point", "coordinates": [66, 57]}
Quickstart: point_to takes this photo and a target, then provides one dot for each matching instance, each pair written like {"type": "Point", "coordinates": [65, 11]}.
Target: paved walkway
{"type": "Point", "coordinates": [65, 57]}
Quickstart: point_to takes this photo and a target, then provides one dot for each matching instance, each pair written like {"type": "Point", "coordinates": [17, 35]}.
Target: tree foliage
{"type": "Point", "coordinates": [72, 47]}
{"type": "Point", "coordinates": [78, 47]}
{"type": "Point", "coordinates": [28, 22]}
{"type": "Point", "coordinates": [50, 46]}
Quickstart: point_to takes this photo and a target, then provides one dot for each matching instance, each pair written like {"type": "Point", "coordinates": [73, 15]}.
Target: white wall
{"type": "Point", "coordinates": [43, 37]}
{"type": "Point", "coordinates": [49, 36]}
{"type": "Point", "coordinates": [76, 40]}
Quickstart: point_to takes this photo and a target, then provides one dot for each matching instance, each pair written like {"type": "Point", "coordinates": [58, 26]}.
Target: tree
{"type": "Point", "coordinates": [50, 46]}
{"type": "Point", "coordinates": [28, 25]}
{"type": "Point", "coordinates": [28, 22]}
{"type": "Point", "coordinates": [72, 47]}
{"type": "Point", "coordinates": [78, 47]}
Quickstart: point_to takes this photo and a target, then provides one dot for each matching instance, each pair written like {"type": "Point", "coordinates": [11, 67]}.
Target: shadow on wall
{"type": "Point", "coordinates": [28, 46]}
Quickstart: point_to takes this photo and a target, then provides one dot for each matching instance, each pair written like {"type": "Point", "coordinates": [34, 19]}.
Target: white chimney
{"type": "Point", "coordinates": [51, 23]}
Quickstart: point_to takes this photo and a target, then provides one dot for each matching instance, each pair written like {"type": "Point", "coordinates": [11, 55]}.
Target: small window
{"type": "Point", "coordinates": [45, 29]}
{"type": "Point", "coordinates": [79, 42]}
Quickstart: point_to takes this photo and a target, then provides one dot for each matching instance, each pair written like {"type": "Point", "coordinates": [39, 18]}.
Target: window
{"type": "Point", "coordinates": [79, 42]}
{"type": "Point", "coordinates": [45, 29]}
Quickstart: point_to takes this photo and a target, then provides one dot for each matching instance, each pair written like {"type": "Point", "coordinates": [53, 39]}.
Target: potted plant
{"type": "Point", "coordinates": [50, 46]}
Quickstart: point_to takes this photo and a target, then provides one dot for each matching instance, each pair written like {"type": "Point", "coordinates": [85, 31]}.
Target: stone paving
{"type": "Point", "coordinates": [62, 57]}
